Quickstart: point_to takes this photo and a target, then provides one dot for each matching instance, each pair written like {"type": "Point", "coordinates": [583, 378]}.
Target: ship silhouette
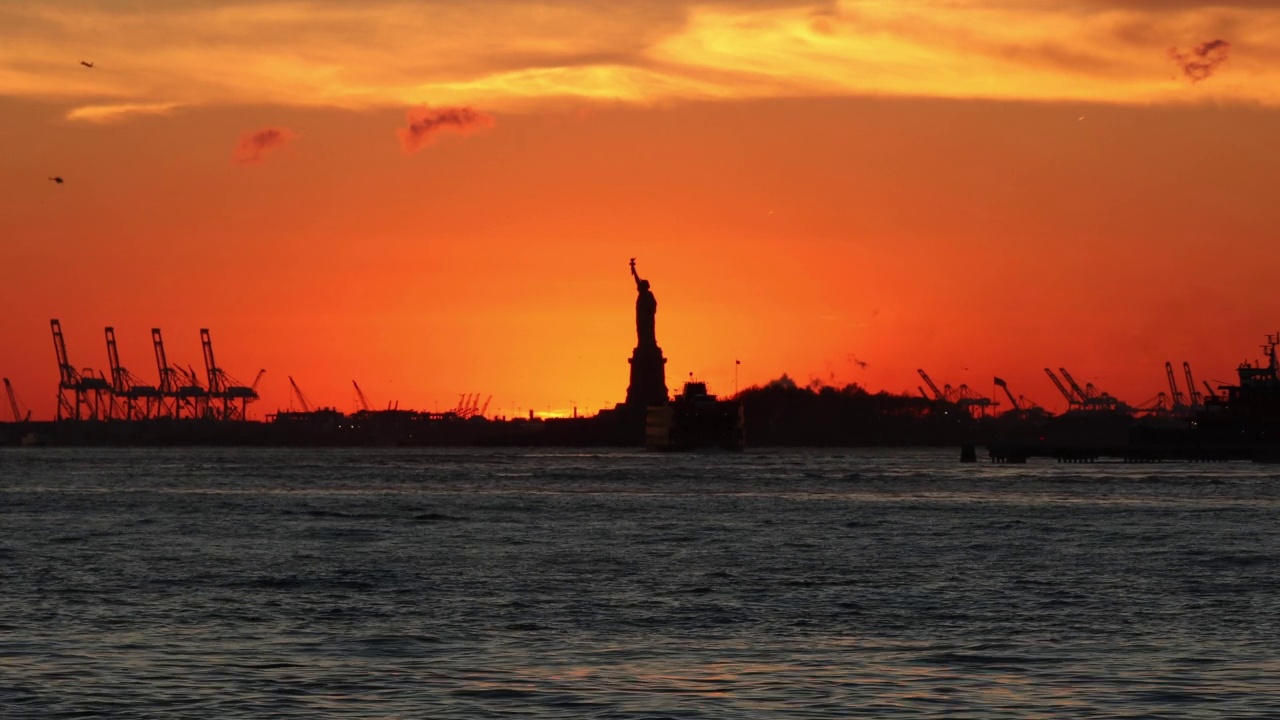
{"type": "Point", "coordinates": [693, 420]}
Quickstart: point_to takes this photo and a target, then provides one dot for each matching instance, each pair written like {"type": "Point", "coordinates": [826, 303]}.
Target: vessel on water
{"type": "Point", "coordinates": [1235, 422]}
{"type": "Point", "coordinates": [1242, 422]}
{"type": "Point", "coordinates": [695, 419]}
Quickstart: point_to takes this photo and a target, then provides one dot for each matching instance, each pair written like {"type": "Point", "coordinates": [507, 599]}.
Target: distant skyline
{"type": "Point", "coordinates": [436, 198]}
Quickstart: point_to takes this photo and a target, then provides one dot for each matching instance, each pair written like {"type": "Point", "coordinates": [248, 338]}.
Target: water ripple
{"type": "Point", "coordinates": [467, 584]}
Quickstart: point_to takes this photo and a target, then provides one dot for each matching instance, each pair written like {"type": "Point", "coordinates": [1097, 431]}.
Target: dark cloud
{"type": "Point", "coordinates": [426, 123]}
{"type": "Point", "coordinates": [1200, 62]}
{"type": "Point", "coordinates": [253, 145]}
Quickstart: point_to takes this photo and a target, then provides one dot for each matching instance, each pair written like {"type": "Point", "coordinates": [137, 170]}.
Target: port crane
{"type": "Point", "coordinates": [1159, 406]}
{"type": "Point", "coordinates": [1179, 401]}
{"type": "Point", "coordinates": [130, 396]}
{"type": "Point", "coordinates": [80, 393]}
{"type": "Point", "coordinates": [1075, 386]}
{"type": "Point", "coordinates": [1020, 404]}
{"type": "Point", "coordinates": [1090, 397]}
{"type": "Point", "coordinates": [963, 396]}
{"type": "Point", "coordinates": [181, 394]}
{"type": "Point", "coordinates": [977, 404]}
{"type": "Point", "coordinates": [1193, 394]}
{"type": "Point", "coordinates": [224, 388]}
{"type": "Point", "coordinates": [168, 386]}
{"type": "Point", "coordinates": [1005, 387]}
{"type": "Point", "coordinates": [937, 394]}
{"type": "Point", "coordinates": [302, 399]}
{"type": "Point", "coordinates": [469, 405]}
{"type": "Point", "coordinates": [68, 378]}
{"type": "Point", "coordinates": [364, 402]}
{"type": "Point", "coordinates": [1072, 402]}
{"type": "Point", "coordinates": [192, 394]}
{"type": "Point", "coordinates": [14, 406]}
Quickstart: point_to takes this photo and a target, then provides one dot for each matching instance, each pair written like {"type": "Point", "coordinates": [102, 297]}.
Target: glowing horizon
{"type": "Point", "coordinates": [434, 199]}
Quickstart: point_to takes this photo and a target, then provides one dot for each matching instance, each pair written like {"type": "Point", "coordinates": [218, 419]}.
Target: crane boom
{"type": "Point", "coordinates": [485, 408]}
{"type": "Point", "coordinates": [119, 378]}
{"type": "Point", "coordinates": [210, 367]}
{"type": "Point", "coordinates": [162, 362]}
{"type": "Point", "coordinates": [1005, 386]}
{"type": "Point", "coordinates": [13, 402]}
{"type": "Point", "coordinates": [929, 381]}
{"type": "Point", "coordinates": [66, 372]}
{"type": "Point", "coordinates": [364, 402]}
{"type": "Point", "coordinates": [1178, 400]}
{"type": "Point", "coordinates": [1074, 385]}
{"type": "Point", "coordinates": [302, 399]}
{"type": "Point", "coordinates": [71, 387]}
{"type": "Point", "coordinates": [1192, 393]}
{"type": "Point", "coordinates": [1061, 388]}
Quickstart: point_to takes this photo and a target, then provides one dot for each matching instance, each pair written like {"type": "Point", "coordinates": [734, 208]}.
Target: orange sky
{"type": "Point", "coordinates": [975, 187]}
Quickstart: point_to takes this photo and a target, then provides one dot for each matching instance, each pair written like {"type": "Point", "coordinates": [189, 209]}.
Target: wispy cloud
{"type": "Point", "coordinates": [255, 144]}
{"type": "Point", "coordinates": [121, 111]}
{"type": "Point", "coordinates": [1087, 50]}
{"type": "Point", "coordinates": [500, 54]}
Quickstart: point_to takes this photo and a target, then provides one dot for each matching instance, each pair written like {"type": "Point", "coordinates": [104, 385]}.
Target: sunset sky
{"type": "Point", "coordinates": [437, 198]}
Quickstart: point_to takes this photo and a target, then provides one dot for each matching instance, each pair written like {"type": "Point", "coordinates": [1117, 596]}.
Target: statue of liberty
{"type": "Point", "coordinates": [646, 310]}
{"type": "Point", "coordinates": [648, 375]}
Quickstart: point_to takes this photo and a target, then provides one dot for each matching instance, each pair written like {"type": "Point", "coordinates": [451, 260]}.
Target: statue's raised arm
{"type": "Point", "coordinates": [634, 274]}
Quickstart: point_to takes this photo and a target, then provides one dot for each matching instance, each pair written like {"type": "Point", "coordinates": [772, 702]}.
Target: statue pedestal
{"type": "Point", "coordinates": [648, 377]}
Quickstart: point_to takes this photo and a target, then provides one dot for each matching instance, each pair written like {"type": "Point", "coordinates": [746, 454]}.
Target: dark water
{"type": "Point", "coordinates": [388, 584]}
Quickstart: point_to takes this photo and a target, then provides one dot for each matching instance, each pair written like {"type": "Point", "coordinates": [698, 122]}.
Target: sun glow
{"type": "Point", "coordinates": [843, 192]}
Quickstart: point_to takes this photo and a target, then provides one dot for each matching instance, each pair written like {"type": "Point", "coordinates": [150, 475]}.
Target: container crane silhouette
{"type": "Point", "coordinates": [1192, 393]}
{"type": "Point", "coordinates": [224, 388]}
{"type": "Point", "coordinates": [302, 399]}
{"type": "Point", "coordinates": [80, 393]}
{"type": "Point", "coordinates": [1179, 400]}
{"type": "Point", "coordinates": [18, 417]}
{"type": "Point", "coordinates": [1072, 402]}
{"type": "Point", "coordinates": [133, 398]}
{"type": "Point", "coordinates": [364, 402]}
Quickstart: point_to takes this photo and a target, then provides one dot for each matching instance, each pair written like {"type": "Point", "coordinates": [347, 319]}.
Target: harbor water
{"type": "Point", "coordinates": [249, 583]}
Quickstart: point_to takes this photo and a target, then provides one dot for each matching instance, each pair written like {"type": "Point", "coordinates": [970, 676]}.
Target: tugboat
{"type": "Point", "coordinates": [1257, 397]}
{"type": "Point", "coordinates": [1241, 423]}
{"type": "Point", "coordinates": [695, 419]}
{"type": "Point", "coordinates": [1247, 416]}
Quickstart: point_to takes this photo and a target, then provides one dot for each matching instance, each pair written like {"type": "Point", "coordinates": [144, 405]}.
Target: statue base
{"type": "Point", "coordinates": [648, 377]}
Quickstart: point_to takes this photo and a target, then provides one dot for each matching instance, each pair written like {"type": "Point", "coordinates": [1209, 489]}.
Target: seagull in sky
{"type": "Point", "coordinates": [86, 64]}
{"type": "Point", "coordinates": [57, 179]}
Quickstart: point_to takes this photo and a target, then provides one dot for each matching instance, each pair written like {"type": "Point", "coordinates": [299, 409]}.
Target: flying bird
{"type": "Point", "coordinates": [86, 64]}
{"type": "Point", "coordinates": [57, 179]}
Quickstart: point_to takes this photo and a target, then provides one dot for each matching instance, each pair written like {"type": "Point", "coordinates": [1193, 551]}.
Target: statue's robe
{"type": "Point", "coordinates": [646, 310]}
